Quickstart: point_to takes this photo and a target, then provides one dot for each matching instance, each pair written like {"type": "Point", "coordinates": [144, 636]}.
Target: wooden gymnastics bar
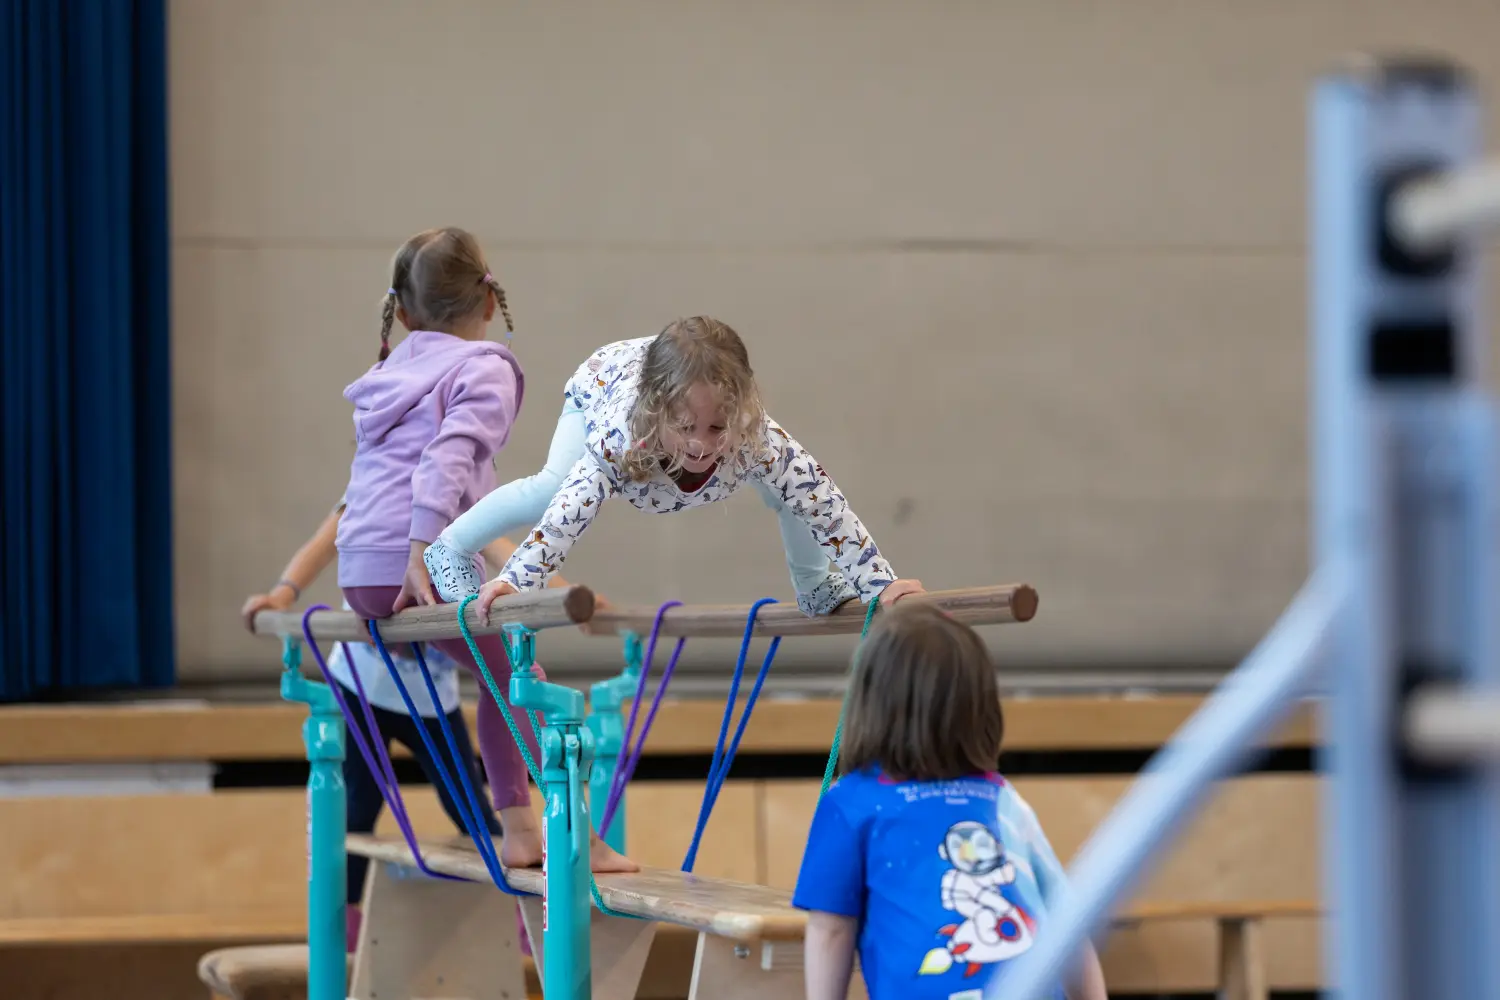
{"type": "Point", "coordinates": [551, 608]}
{"type": "Point", "coordinates": [1013, 602]}
{"type": "Point", "coordinates": [574, 605]}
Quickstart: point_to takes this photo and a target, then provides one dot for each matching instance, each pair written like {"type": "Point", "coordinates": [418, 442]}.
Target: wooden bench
{"type": "Point", "coordinates": [264, 972]}
{"type": "Point", "coordinates": [1242, 957]}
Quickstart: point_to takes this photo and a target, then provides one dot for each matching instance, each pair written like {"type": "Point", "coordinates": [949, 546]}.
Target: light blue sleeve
{"type": "Point", "coordinates": [1051, 876]}
{"type": "Point", "coordinates": [519, 504]}
{"type": "Point", "coordinates": [805, 558]}
{"type": "Point", "coordinates": [820, 584]}
{"type": "Point", "coordinates": [567, 517]}
{"type": "Point", "coordinates": [800, 489]}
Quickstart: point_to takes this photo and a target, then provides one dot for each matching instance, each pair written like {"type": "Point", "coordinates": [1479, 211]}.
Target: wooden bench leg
{"type": "Point", "coordinates": [1242, 961]}
{"type": "Point", "coordinates": [618, 949]}
{"type": "Point", "coordinates": [431, 938]}
{"type": "Point", "coordinates": [723, 970]}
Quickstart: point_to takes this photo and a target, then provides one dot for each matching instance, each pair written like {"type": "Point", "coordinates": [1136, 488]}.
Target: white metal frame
{"type": "Point", "coordinates": [1403, 606]}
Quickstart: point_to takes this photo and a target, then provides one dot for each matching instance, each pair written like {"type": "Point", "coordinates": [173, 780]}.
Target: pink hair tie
{"type": "Point", "coordinates": [488, 277]}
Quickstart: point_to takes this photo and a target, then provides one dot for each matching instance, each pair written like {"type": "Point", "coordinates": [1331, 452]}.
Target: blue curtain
{"type": "Point", "coordinates": [85, 515]}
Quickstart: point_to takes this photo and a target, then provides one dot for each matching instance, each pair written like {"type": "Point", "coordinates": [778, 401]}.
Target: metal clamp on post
{"type": "Point", "coordinates": [327, 872]}
{"type": "Point", "coordinates": [1414, 767]}
{"type": "Point", "coordinates": [567, 755]}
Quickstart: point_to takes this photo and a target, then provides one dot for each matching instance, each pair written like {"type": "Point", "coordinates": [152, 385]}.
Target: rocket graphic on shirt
{"type": "Point", "coordinates": [993, 928]}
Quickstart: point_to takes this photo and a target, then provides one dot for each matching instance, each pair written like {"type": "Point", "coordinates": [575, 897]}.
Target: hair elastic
{"type": "Point", "coordinates": [390, 291]}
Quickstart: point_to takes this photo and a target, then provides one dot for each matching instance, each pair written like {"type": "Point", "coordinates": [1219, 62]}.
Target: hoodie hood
{"type": "Point", "coordinates": [385, 394]}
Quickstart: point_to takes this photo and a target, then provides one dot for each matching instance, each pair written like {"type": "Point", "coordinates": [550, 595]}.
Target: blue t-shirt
{"type": "Point", "coordinates": [948, 879]}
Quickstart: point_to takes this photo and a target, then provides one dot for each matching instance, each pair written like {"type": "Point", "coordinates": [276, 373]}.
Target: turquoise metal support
{"type": "Point", "coordinates": [567, 756]}
{"type": "Point", "coordinates": [607, 724]}
{"type": "Point", "coordinates": [327, 872]}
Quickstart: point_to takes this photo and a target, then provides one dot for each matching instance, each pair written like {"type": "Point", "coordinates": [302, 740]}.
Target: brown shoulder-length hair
{"type": "Point", "coordinates": [688, 352]}
{"type": "Point", "coordinates": [923, 702]}
{"type": "Point", "coordinates": [439, 277]}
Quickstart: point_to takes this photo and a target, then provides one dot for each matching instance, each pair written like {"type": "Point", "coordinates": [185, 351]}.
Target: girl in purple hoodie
{"type": "Point", "coordinates": [428, 419]}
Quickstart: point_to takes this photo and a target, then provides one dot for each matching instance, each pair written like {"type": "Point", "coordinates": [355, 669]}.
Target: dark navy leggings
{"type": "Point", "coordinates": [365, 801]}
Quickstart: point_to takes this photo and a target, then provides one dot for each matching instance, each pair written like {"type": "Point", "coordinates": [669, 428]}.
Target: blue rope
{"type": "Point", "coordinates": [718, 770]}
{"type": "Point", "coordinates": [378, 760]}
{"type": "Point", "coordinates": [468, 806]}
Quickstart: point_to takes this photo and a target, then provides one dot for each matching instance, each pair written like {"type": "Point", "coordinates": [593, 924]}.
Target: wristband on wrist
{"type": "Point", "coordinates": [296, 590]}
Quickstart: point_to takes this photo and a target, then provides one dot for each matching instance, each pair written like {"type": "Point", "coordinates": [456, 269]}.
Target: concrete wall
{"type": "Point", "coordinates": [1026, 276]}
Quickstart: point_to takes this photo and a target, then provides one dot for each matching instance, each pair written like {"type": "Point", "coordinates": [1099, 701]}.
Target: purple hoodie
{"type": "Point", "coordinates": [428, 421]}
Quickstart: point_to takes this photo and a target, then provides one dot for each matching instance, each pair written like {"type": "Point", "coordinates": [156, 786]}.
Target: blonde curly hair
{"type": "Point", "coordinates": [692, 351]}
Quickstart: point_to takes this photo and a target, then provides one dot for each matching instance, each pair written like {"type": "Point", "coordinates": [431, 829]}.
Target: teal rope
{"type": "Point", "coordinates": [515, 732]}
{"type": "Point", "coordinates": [489, 680]}
{"type": "Point", "coordinates": [838, 731]}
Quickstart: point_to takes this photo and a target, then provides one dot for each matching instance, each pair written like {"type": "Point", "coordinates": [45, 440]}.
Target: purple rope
{"type": "Point", "coordinates": [624, 774]}
{"type": "Point", "coordinates": [625, 763]}
{"type": "Point", "coordinates": [386, 776]}
{"type": "Point", "coordinates": [622, 758]}
{"type": "Point", "coordinates": [383, 772]}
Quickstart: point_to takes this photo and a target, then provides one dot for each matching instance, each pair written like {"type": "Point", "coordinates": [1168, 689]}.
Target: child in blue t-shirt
{"type": "Point", "coordinates": [920, 854]}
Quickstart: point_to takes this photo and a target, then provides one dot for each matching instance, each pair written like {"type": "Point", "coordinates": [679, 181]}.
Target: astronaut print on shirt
{"type": "Point", "coordinates": [993, 928]}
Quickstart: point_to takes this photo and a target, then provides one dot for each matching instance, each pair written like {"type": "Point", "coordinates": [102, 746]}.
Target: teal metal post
{"type": "Point", "coordinates": [607, 724]}
{"type": "Point", "coordinates": [567, 753]}
{"type": "Point", "coordinates": [327, 872]}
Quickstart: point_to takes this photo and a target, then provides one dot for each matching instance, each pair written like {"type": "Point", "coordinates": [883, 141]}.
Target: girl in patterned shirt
{"type": "Point", "coordinates": [666, 423]}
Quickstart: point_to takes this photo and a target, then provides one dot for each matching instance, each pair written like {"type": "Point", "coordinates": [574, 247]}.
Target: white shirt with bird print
{"type": "Point", "coordinates": [606, 387]}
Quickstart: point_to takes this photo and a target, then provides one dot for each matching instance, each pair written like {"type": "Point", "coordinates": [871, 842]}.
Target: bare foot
{"type": "Point", "coordinates": [603, 858]}
{"type": "Point", "coordinates": [521, 849]}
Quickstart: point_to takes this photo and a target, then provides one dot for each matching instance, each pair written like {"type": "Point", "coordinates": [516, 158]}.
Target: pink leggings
{"type": "Point", "coordinates": [503, 765]}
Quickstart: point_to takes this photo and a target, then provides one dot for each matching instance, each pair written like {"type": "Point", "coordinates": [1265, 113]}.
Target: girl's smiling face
{"type": "Point", "coordinates": [697, 434]}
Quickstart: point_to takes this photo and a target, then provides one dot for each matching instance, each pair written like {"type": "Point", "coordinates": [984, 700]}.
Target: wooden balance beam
{"type": "Point", "coordinates": [417, 930]}
{"type": "Point", "coordinates": [256, 972]}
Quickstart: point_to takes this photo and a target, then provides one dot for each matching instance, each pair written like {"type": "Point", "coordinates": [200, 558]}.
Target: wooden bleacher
{"type": "Point", "coordinates": [227, 867]}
